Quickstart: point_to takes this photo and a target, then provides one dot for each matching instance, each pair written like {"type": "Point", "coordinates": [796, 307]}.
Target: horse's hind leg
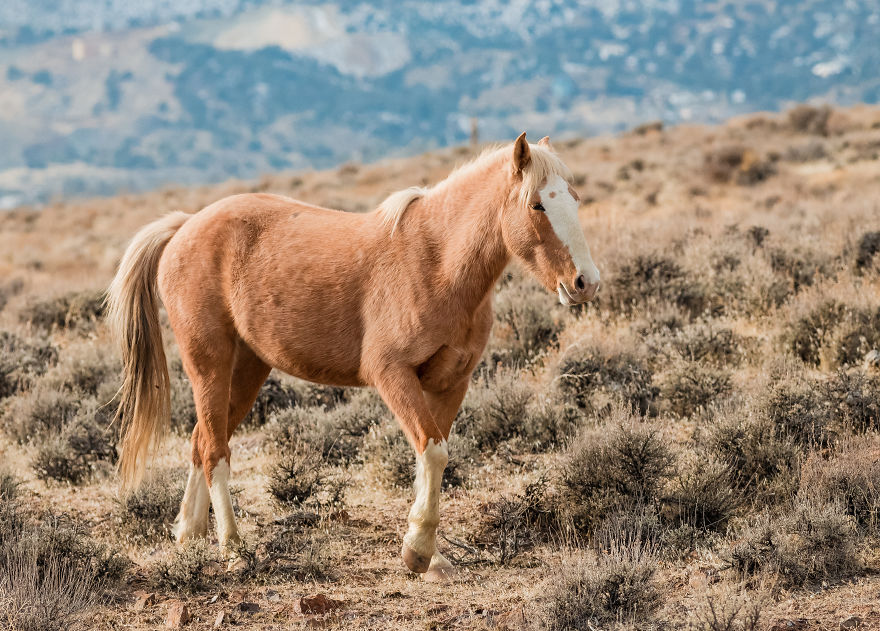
{"type": "Point", "coordinates": [192, 520]}
{"type": "Point", "coordinates": [208, 360]}
{"type": "Point", "coordinates": [248, 375]}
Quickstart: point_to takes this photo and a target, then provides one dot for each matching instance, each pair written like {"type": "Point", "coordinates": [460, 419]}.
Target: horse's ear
{"type": "Point", "coordinates": [522, 155]}
{"type": "Point", "coordinates": [545, 142]}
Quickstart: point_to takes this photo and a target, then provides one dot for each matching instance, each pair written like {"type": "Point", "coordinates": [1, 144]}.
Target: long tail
{"type": "Point", "coordinates": [132, 302]}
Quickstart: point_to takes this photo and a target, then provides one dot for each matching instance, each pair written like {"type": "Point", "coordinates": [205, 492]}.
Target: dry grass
{"type": "Point", "coordinates": [710, 415]}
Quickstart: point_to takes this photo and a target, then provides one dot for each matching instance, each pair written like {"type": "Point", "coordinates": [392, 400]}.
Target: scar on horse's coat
{"type": "Point", "coordinates": [399, 299]}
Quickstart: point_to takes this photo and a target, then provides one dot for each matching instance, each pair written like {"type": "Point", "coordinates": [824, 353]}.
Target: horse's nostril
{"type": "Point", "coordinates": [580, 282]}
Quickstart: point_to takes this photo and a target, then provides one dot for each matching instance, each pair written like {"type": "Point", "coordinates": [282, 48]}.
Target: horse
{"type": "Point", "coordinates": [399, 299]}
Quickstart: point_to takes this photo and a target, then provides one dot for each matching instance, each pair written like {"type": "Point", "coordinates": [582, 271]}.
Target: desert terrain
{"type": "Point", "coordinates": [698, 448]}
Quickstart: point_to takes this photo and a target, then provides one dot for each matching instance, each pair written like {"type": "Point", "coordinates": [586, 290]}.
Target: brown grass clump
{"type": "Point", "coordinates": [525, 325]}
{"type": "Point", "coordinates": [392, 459]}
{"type": "Point", "coordinates": [51, 569]}
{"type": "Point", "coordinates": [299, 478]}
{"type": "Point", "coordinates": [762, 462]}
{"type": "Point", "coordinates": [655, 278]}
{"type": "Point", "coordinates": [809, 542]}
{"type": "Point", "coordinates": [22, 362]}
{"type": "Point", "coordinates": [72, 310]}
{"type": "Point", "coordinates": [703, 497]}
{"type": "Point", "coordinates": [148, 513]}
{"type": "Point", "coordinates": [727, 609]}
{"type": "Point", "coordinates": [502, 407]}
{"type": "Point", "coordinates": [189, 569]}
{"type": "Point", "coordinates": [850, 479]}
{"type": "Point", "coordinates": [592, 380]}
{"type": "Point", "coordinates": [604, 469]}
{"type": "Point", "coordinates": [737, 164]}
{"type": "Point", "coordinates": [599, 590]}
{"type": "Point", "coordinates": [869, 246]}
{"type": "Point", "coordinates": [691, 387]}
{"type": "Point", "coordinates": [807, 119]}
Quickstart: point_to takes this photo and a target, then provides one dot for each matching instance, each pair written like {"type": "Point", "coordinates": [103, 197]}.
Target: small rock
{"type": "Point", "coordinates": [218, 621]}
{"type": "Point", "coordinates": [318, 603]}
{"type": "Point", "coordinates": [248, 607]}
{"type": "Point", "coordinates": [144, 600]}
{"type": "Point", "coordinates": [272, 596]}
{"type": "Point", "coordinates": [853, 622]}
{"type": "Point", "coordinates": [178, 615]}
{"type": "Point", "coordinates": [872, 360]}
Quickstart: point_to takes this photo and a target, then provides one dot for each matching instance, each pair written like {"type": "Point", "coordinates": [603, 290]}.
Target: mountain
{"type": "Point", "coordinates": [102, 96]}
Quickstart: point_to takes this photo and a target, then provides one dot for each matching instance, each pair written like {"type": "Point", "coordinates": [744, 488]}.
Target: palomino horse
{"type": "Point", "coordinates": [399, 299]}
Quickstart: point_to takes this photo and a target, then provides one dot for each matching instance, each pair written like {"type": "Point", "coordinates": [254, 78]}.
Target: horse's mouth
{"type": "Point", "coordinates": [565, 297]}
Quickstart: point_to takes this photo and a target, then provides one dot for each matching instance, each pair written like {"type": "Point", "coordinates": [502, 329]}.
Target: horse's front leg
{"type": "Point", "coordinates": [427, 428]}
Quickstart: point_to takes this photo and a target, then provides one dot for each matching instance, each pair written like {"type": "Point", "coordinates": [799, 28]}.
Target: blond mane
{"type": "Point", "coordinates": [542, 165]}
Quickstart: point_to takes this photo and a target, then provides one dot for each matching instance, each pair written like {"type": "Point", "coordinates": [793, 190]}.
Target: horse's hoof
{"type": "Point", "coordinates": [442, 574]}
{"type": "Point", "coordinates": [414, 561]}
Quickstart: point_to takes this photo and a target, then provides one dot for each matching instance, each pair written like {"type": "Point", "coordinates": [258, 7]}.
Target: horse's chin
{"type": "Point", "coordinates": [564, 297]}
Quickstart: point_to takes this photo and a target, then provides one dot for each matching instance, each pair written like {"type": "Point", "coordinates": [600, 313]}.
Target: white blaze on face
{"type": "Point", "coordinates": [562, 211]}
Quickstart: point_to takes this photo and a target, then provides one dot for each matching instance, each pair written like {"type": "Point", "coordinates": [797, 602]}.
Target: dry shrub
{"type": "Point", "coordinates": [809, 152]}
{"type": "Point", "coordinates": [850, 479]}
{"type": "Point", "coordinates": [734, 163]}
{"type": "Point", "coordinates": [42, 412]}
{"type": "Point", "coordinates": [706, 342]}
{"type": "Point", "coordinates": [853, 398]}
{"type": "Point", "coordinates": [288, 554]}
{"type": "Point", "coordinates": [51, 569]}
{"type": "Point", "coordinates": [807, 119]}
{"type": "Point", "coordinates": [514, 523]}
{"type": "Point", "coordinates": [691, 387]}
{"type": "Point", "coordinates": [605, 469]}
{"type": "Point", "coordinates": [149, 512]}
{"type": "Point", "coordinates": [191, 568]}
{"type": "Point", "coordinates": [338, 433]}
{"type": "Point", "coordinates": [299, 478]}
{"type": "Point", "coordinates": [503, 407]}
{"type": "Point", "coordinates": [593, 380]}
{"type": "Point", "coordinates": [799, 266]}
{"type": "Point", "coordinates": [762, 463]}
{"type": "Point", "coordinates": [527, 323]}
{"type": "Point", "coordinates": [392, 458]}
{"type": "Point", "coordinates": [727, 609]}
{"type": "Point", "coordinates": [654, 278]}
{"type": "Point", "coordinates": [702, 496]}
{"type": "Point", "coordinates": [80, 310]}
{"type": "Point", "coordinates": [797, 409]}
{"type": "Point", "coordinates": [869, 246]}
{"type": "Point", "coordinates": [808, 542]}
{"type": "Point", "coordinates": [43, 594]}
{"type": "Point", "coordinates": [84, 446]}
{"type": "Point", "coordinates": [603, 589]}
{"type": "Point", "coordinates": [22, 361]}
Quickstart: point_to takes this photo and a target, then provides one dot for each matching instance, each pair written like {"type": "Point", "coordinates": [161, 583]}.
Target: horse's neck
{"type": "Point", "coordinates": [465, 216]}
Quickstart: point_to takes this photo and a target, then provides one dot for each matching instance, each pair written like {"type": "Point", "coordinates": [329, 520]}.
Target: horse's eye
{"type": "Point", "coordinates": [538, 207]}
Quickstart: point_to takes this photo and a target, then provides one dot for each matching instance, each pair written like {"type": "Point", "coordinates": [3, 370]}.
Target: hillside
{"type": "Point", "coordinates": [101, 97]}
{"type": "Point", "coordinates": [703, 437]}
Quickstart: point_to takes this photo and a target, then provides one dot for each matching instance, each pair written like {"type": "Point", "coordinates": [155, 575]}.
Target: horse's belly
{"type": "Point", "coordinates": [315, 348]}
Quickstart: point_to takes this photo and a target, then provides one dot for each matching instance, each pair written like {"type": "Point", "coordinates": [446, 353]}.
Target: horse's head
{"type": "Point", "coordinates": [540, 223]}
